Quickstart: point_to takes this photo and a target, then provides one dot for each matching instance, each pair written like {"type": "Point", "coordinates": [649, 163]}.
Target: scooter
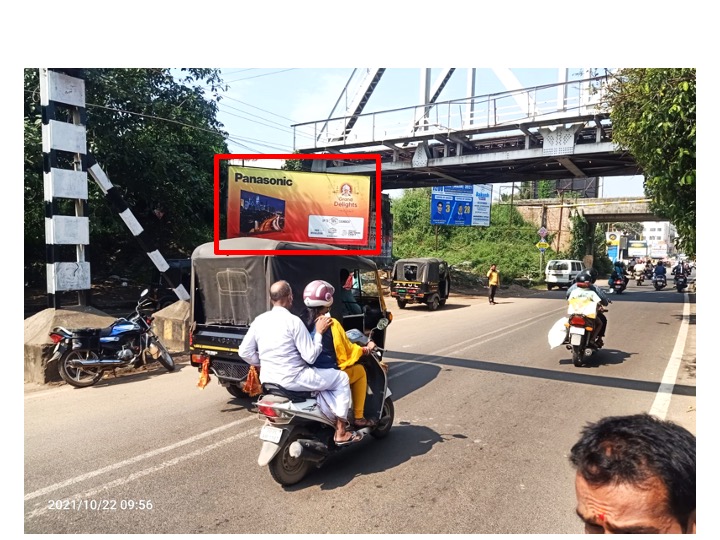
{"type": "Point", "coordinates": [681, 282]}
{"type": "Point", "coordinates": [296, 436]}
{"type": "Point", "coordinates": [618, 285]}
{"type": "Point", "coordinates": [659, 282]}
{"type": "Point", "coordinates": [639, 277]}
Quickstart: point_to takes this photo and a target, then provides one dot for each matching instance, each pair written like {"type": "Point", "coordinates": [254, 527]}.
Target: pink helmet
{"type": "Point", "coordinates": [318, 293]}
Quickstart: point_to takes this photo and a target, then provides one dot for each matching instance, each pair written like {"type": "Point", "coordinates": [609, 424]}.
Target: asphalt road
{"type": "Point", "coordinates": [485, 416]}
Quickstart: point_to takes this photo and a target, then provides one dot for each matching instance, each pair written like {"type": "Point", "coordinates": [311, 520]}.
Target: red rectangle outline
{"type": "Point", "coordinates": [361, 252]}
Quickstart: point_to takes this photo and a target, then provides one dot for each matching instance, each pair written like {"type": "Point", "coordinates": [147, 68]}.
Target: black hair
{"type": "Point", "coordinates": [312, 313]}
{"type": "Point", "coordinates": [633, 449]}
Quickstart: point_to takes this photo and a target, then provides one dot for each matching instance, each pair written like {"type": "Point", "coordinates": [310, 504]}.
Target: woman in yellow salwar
{"type": "Point", "coordinates": [337, 350]}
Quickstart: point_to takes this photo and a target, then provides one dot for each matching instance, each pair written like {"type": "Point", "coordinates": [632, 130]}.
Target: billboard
{"type": "Point", "coordinates": [464, 205]}
{"type": "Point", "coordinates": [298, 206]}
{"type": "Point", "coordinates": [612, 240]}
{"type": "Point", "coordinates": [637, 248]}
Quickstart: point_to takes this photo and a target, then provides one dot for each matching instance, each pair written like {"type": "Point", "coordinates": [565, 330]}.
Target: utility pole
{"type": "Point", "coordinates": [562, 209]}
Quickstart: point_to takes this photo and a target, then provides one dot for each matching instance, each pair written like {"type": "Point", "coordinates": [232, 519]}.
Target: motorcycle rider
{"type": "Point", "coordinates": [584, 299]}
{"type": "Point", "coordinates": [590, 275]}
{"type": "Point", "coordinates": [678, 269]}
{"type": "Point", "coordinates": [280, 344]}
{"type": "Point", "coordinates": [660, 270]}
{"type": "Point", "coordinates": [618, 273]}
{"type": "Point", "coordinates": [640, 270]}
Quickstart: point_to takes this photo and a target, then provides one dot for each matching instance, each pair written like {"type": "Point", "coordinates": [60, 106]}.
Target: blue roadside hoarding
{"type": "Point", "coordinates": [464, 205]}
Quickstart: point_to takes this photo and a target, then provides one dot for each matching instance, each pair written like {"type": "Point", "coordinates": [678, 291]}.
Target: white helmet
{"type": "Point", "coordinates": [318, 293]}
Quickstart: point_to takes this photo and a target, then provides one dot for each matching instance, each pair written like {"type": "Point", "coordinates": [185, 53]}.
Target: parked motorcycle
{"type": "Point", "coordinates": [297, 436]}
{"type": "Point", "coordinates": [659, 282]}
{"type": "Point", "coordinates": [85, 354]}
{"type": "Point", "coordinates": [681, 282]}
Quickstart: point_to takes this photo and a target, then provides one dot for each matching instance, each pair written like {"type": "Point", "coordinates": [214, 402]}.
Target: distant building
{"type": "Point", "coordinates": [660, 237]}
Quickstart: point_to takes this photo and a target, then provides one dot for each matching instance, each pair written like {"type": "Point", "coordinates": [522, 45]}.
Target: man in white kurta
{"type": "Point", "coordinates": [279, 342]}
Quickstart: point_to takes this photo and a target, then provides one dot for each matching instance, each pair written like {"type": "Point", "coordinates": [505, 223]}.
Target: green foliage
{"type": "Point", "coordinates": [633, 230]}
{"type": "Point", "coordinates": [509, 241]}
{"type": "Point", "coordinates": [579, 247]}
{"type": "Point", "coordinates": [293, 164]}
{"type": "Point", "coordinates": [155, 137]}
{"type": "Point", "coordinates": [653, 116]}
{"type": "Point", "coordinates": [546, 189]}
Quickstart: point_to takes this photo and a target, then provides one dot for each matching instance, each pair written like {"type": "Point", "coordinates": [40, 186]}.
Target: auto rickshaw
{"type": "Point", "coordinates": [229, 291]}
{"type": "Point", "coordinates": [421, 280]}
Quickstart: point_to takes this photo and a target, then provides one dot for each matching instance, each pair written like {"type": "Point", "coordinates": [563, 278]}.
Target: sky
{"type": "Point", "coordinates": [261, 105]}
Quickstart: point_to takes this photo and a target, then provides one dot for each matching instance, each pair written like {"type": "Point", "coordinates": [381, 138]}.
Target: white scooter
{"type": "Point", "coordinates": [297, 436]}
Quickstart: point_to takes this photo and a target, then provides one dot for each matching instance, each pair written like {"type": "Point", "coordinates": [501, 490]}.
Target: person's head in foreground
{"type": "Point", "coordinates": [635, 474]}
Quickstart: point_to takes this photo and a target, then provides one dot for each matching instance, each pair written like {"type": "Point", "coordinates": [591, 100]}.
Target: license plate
{"type": "Point", "coordinates": [271, 434]}
{"type": "Point", "coordinates": [576, 330]}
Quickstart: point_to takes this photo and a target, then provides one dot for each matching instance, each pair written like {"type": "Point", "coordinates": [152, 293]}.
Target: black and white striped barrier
{"type": "Point", "coordinates": [113, 196]}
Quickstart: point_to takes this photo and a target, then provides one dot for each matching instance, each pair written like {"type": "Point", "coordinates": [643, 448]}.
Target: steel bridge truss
{"type": "Point", "coordinates": [550, 132]}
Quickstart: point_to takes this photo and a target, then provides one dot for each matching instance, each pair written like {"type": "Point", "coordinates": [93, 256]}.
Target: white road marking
{"type": "Point", "coordinates": [114, 466]}
{"type": "Point", "coordinates": [472, 342]}
{"type": "Point", "coordinates": [139, 474]}
{"type": "Point", "coordinates": [664, 394]}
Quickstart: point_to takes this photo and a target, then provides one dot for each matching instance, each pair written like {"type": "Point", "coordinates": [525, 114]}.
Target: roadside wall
{"type": "Point", "coordinates": [547, 213]}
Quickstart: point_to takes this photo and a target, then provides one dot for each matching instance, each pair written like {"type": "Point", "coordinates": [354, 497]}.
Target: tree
{"type": "Point", "coordinates": [633, 229]}
{"type": "Point", "coordinates": [508, 241]}
{"type": "Point", "coordinates": [155, 137]}
{"type": "Point", "coordinates": [653, 117]}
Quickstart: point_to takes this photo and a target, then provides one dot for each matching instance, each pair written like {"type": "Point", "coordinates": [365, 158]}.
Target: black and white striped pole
{"type": "Point", "coordinates": [64, 143]}
{"type": "Point", "coordinates": [62, 100]}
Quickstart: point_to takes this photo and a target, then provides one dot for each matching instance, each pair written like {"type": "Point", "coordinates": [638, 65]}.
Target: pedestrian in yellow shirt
{"type": "Point", "coordinates": [493, 282]}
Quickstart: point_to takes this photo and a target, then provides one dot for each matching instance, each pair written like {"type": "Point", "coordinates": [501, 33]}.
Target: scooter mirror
{"type": "Point", "coordinates": [144, 293]}
{"type": "Point", "coordinates": [382, 323]}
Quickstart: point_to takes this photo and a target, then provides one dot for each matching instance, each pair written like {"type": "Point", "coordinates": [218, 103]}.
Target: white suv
{"type": "Point", "coordinates": [561, 272]}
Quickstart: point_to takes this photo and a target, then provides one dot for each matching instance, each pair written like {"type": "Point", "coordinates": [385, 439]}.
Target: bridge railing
{"type": "Point", "coordinates": [540, 103]}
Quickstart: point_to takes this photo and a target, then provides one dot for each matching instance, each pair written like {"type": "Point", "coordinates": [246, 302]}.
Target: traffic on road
{"type": "Point", "coordinates": [486, 413]}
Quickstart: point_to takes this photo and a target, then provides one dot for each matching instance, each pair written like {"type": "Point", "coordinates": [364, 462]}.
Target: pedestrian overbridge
{"type": "Point", "coordinates": [608, 210]}
{"type": "Point", "coordinates": [551, 132]}
{"type": "Point", "coordinates": [555, 214]}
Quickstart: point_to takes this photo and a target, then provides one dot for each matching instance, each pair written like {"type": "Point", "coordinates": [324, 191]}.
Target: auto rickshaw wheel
{"type": "Point", "coordinates": [401, 303]}
{"type": "Point", "coordinates": [434, 302]}
{"type": "Point", "coordinates": [236, 391]}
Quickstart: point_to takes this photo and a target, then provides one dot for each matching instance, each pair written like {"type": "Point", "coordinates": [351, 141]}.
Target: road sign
{"type": "Point", "coordinates": [542, 245]}
{"type": "Point", "coordinates": [542, 231]}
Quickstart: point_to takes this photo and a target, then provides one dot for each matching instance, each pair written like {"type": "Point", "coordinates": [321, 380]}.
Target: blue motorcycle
{"type": "Point", "coordinates": [83, 355]}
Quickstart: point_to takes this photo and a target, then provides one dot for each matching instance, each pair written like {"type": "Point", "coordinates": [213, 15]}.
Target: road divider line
{"type": "Point", "coordinates": [661, 404]}
{"type": "Point", "coordinates": [120, 464]}
{"type": "Point", "coordinates": [472, 342]}
{"type": "Point", "coordinates": [139, 474]}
